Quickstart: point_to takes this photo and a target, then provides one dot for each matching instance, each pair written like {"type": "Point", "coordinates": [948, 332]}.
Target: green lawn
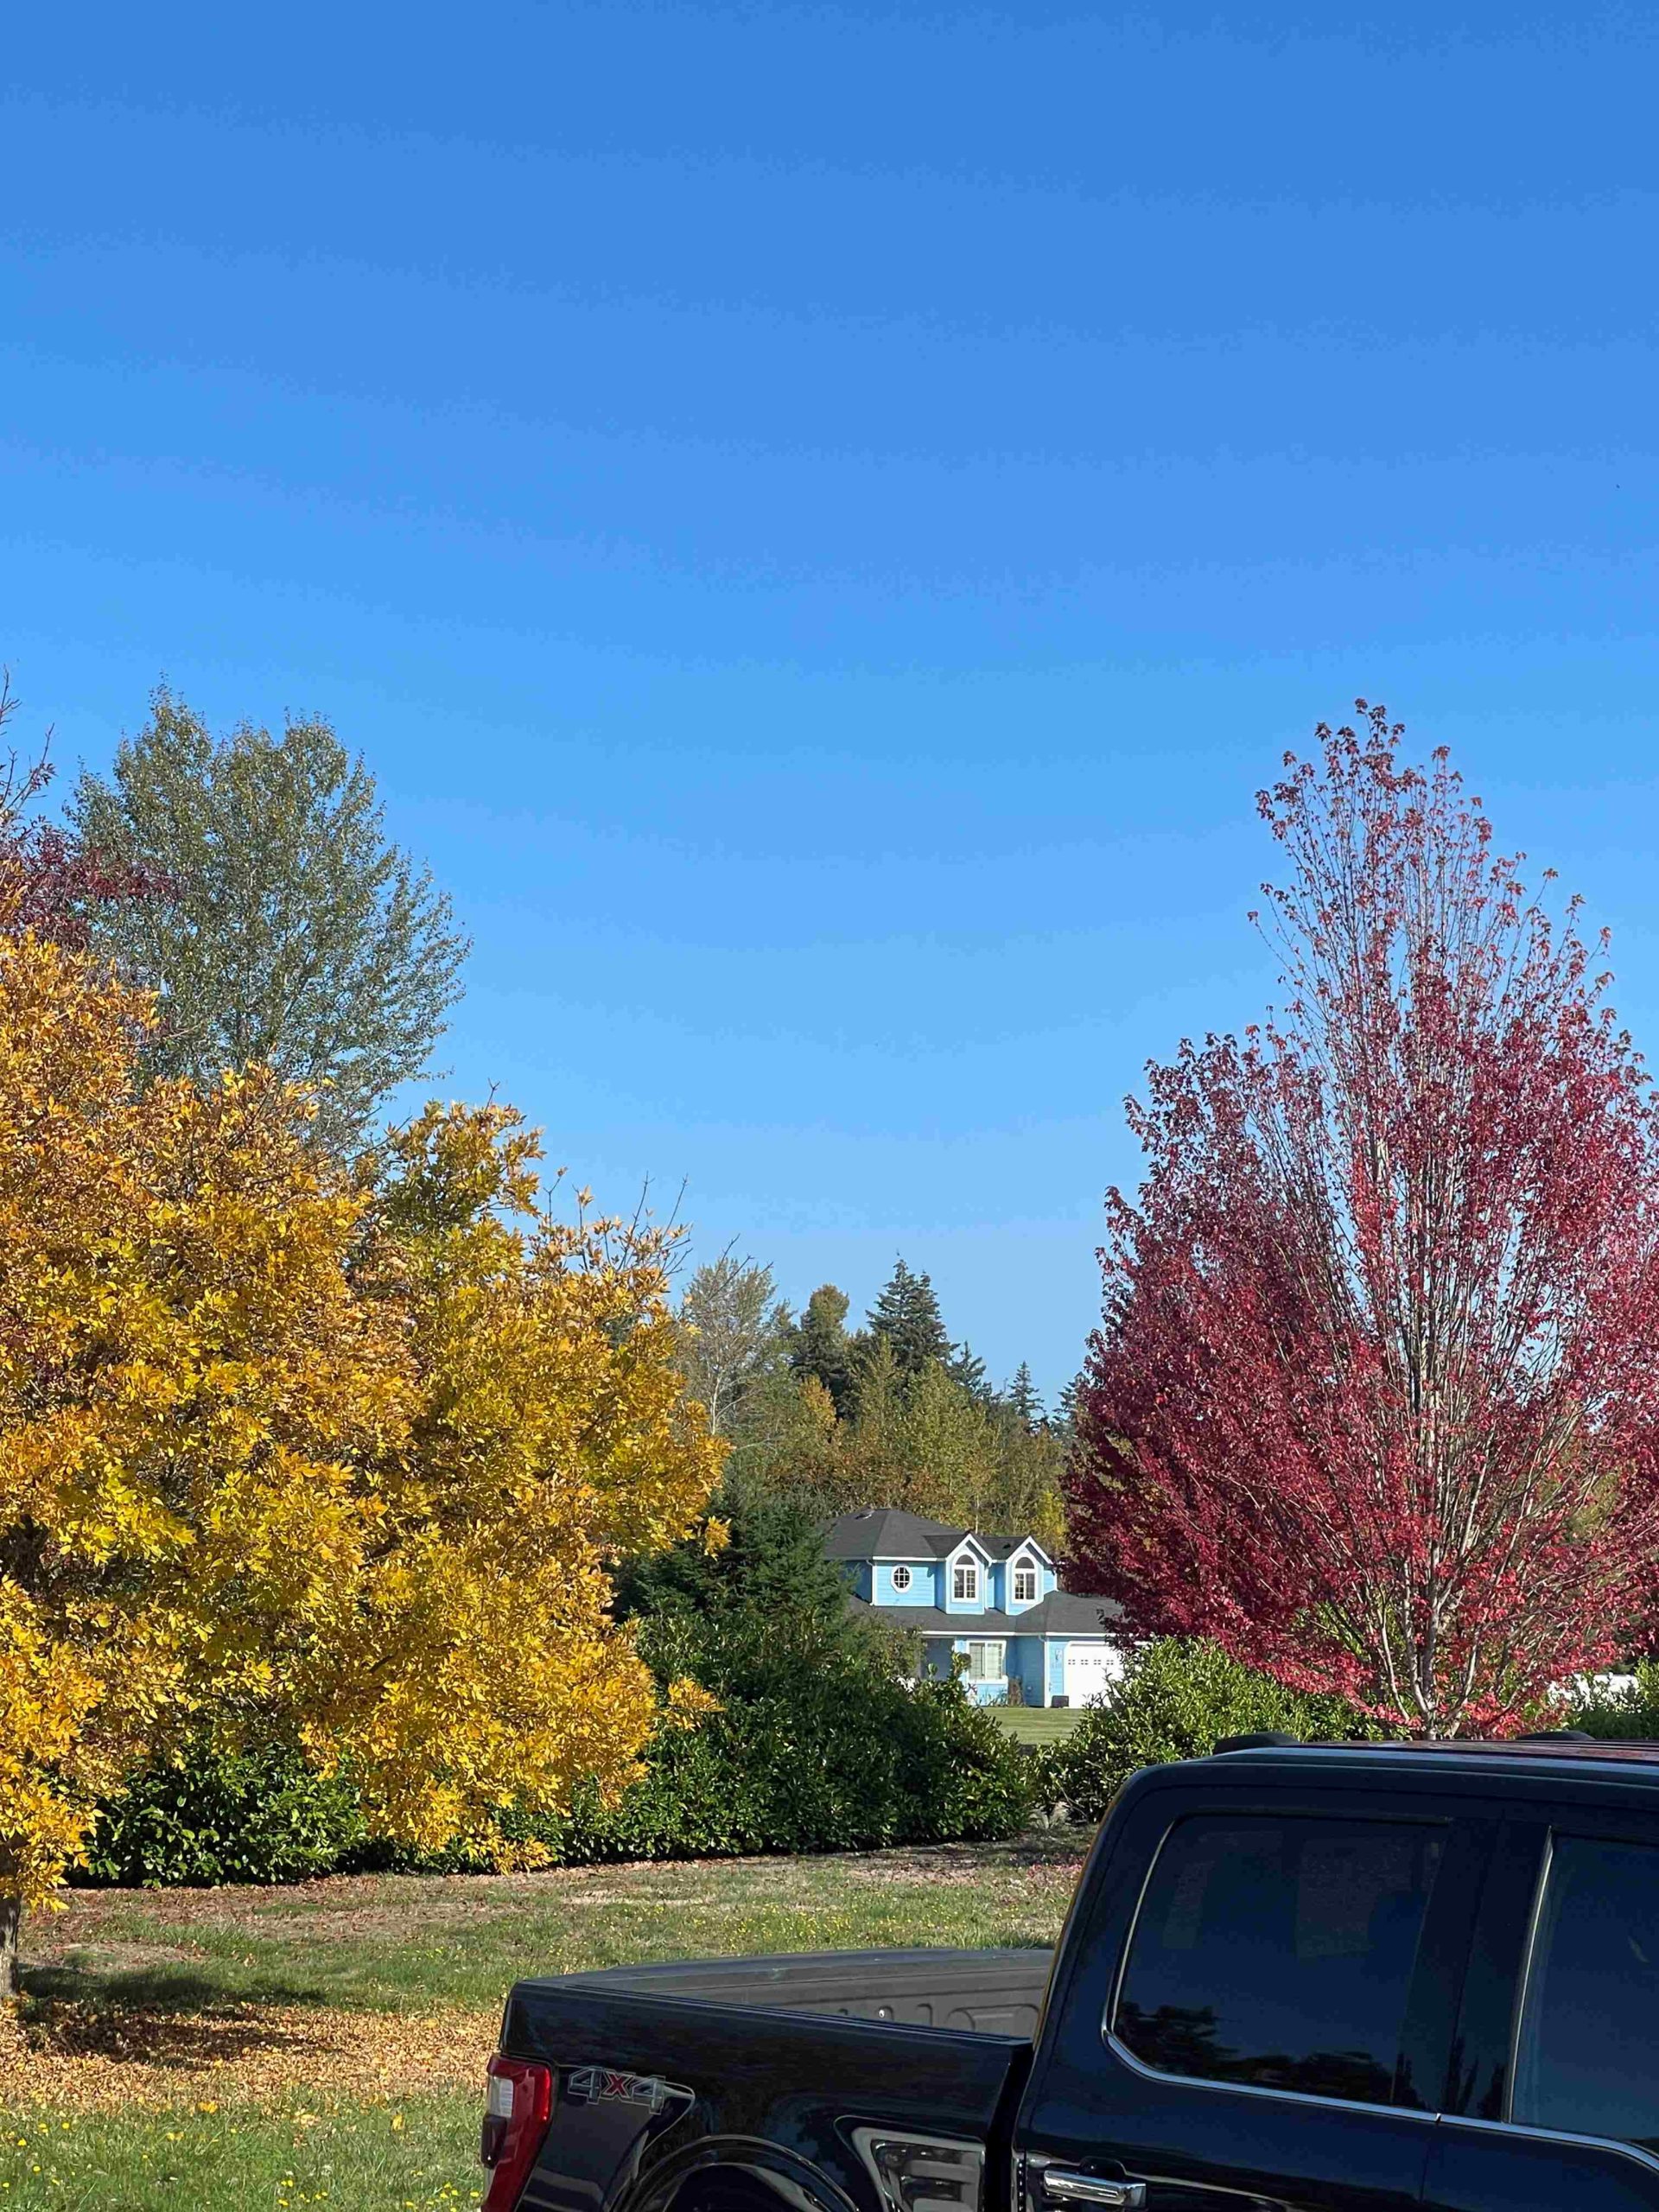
{"type": "Point", "coordinates": [406, 1943]}
{"type": "Point", "coordinates": [419, 2154]}
{"type": "Point", "coordinates": [1038, 1724]}
{"type": "Point", "coordinates": [307, 2045]}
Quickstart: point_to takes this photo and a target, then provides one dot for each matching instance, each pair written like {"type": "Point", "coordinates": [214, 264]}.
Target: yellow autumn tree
{"type": "Point", "coordinates": [474, 1661]}
{"type": "Point", "coordinates": [344, 1459]}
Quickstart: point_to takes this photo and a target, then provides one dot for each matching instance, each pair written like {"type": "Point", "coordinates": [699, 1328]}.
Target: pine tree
{"type": "Point", "coordinates": [966, 1367]}
{"type": "Point", "coordinates": [773, 1564]}
{"type": "Point", "coordinates": [1022, 1400]}
{"type": "Point", "coordinates": [822, 1348]}
{"type": "Point", "coordinates": [906, 1315]}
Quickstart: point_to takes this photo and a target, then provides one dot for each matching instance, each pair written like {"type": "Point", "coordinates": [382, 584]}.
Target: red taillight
{"type": "Point", "coordinates": [518, 2105]}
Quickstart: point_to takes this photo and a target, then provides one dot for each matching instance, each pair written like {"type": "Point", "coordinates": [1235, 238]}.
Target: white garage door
{"type": "Point", "coordinates": [1089, 1668]}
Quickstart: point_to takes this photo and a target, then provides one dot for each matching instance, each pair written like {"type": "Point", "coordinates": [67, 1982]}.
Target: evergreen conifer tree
{"type": "Point", "coordinates": [966, 1367]}
{"type": "Point", "coordinates": [774, 1565]}
{"type": "Point", "coordinates": [906, 1315]}
{"type": "Point", "coordinates": [1022, 1400]}
{"type": "Point", "coordinates": [821, 1347]}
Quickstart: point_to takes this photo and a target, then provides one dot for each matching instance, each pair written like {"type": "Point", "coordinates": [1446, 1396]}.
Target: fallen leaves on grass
{"type": "Point", "coordinates": [83, 2058]}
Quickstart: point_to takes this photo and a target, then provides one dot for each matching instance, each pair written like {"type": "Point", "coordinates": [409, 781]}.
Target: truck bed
{"type": "Point", "coordinates": [668, 2063]}
{"type": "Point", "coordinates": [985, 1992]}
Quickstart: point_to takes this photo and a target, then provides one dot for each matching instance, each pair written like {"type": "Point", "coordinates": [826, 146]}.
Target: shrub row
{"type": "Point", "coordinates": [818, 1746]}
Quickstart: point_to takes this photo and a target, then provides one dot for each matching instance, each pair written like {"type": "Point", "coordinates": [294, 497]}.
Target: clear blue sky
{"type": "Point", "coordinates": [821, 519]}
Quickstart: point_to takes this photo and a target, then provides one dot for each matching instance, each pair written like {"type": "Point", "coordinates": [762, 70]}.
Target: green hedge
{"type": "Point", "coordinates": [1631, 1712]}
{"type": "Point", "coordinates": [840, 1757]}
{"type": "Point", "coordinates": [212, 1815]}
{"type": "Point", "coordinates": [819, 1745]}
{"type": "Point", "coordinates": [1176, 1699]}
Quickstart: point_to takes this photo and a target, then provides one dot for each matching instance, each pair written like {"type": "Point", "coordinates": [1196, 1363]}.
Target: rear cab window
{"type": "Point", "coordinates": [1278, 1952]}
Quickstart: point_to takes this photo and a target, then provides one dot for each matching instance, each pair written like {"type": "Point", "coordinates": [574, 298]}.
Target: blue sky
{"type": "Point", "coordinates": [822, 518]}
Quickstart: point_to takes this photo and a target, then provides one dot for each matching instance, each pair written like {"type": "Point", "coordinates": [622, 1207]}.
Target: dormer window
{"type": "Point", "coordinates": [965, 1583]}
{"type": "Point", "coordinates": [901, 1578]}
{"type": "Point", "coordinates": [1025, 1584]}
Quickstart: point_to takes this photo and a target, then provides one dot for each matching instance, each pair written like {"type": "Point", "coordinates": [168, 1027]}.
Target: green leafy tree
{"type": "Point", "coordinates": [293, 932]}
{"type": "Point", "coordinates": [732, 1331]}
{"type": "Point", "coordinates": [785, 1437]}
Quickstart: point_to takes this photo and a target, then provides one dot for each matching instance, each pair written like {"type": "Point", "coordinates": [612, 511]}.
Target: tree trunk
{"type": "Point", "coordinates": [11, 1922]}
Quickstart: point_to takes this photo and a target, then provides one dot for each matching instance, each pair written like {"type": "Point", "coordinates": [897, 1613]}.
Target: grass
{"type": "Point", "coordinates": [419, 2154]}
{"type": "Point", "coordinates": [399, 1942]}
{"type": "Point", "coordinates": [324, 2043]}
{"type": "Point", "coordinates": [1038, 1724]}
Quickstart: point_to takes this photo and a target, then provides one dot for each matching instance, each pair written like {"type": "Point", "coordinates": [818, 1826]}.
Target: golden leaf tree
{"type": "Point", "coordinates": [346, 1459]}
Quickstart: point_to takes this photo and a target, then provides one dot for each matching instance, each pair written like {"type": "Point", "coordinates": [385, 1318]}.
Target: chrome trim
{"type": "Point", "coordinates": [1256, 2089]}
{"type": "Point", "coordinates": [1092, 2189]}
{"type": "Point", "coordinates": [1554, 2135]}
{"type": "Point", "coordinates": [1114, 1995]}
{"type": "Point", "coordinates": [1523, 1980]}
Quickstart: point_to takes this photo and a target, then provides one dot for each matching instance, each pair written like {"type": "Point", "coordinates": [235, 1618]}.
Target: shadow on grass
{"type": "Point", "coordinates": [91, 1992]}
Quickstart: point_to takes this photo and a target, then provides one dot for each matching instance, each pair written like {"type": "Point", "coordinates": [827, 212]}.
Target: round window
{"type": "Point", "coordinates": [901, 1578]}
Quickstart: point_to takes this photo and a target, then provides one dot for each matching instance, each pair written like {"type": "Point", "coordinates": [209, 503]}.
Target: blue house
{"type": "Point", "coordinates": [995, 1601]}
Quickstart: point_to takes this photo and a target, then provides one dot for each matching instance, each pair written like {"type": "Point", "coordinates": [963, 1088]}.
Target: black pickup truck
{"type": "Point", "coordinates": [1294, 1977]}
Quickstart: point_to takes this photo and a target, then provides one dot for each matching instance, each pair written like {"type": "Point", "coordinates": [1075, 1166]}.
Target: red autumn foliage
{"type": "Point", "coordinates": [1375, 1402]}
{"type": "Point", "coordinates": [48, 882]}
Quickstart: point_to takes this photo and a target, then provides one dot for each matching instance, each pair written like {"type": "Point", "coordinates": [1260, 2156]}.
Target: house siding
{"type": "Point", "coordinates": [924, 1582]}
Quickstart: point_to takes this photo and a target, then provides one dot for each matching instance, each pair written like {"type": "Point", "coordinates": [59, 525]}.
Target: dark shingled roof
{"type": "Point", "coordinates": [880, 1532]}
{"type": "Point", "coordinates": [1061, 1613]}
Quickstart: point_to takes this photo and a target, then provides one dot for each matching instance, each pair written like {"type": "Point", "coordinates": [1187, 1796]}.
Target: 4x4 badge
{"type": "Point", "coordinates": [600, 2085]}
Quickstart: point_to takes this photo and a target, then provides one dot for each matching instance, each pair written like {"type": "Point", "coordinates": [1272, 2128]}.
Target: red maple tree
{"type": "Point", "coordinates": [1375, 1401]}
{"type": "Point", "coordinates": [50, 882]}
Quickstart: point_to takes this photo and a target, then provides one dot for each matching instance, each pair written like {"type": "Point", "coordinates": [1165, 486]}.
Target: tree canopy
{"type": "Point", "coordinates": [289, 932]}
{"type": "Point", "coordinates": [732, 1331]}
{"type": "Point", "coordinates": [307, 1455]}
{"type": "Point", "coordinates": [1373, 1402]}
{"type": "Point", "coordinates": [905, 1317]}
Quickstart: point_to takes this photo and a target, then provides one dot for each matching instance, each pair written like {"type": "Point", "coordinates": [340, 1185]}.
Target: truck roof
{"type": "Point", "coordinates": [1632, 1758]}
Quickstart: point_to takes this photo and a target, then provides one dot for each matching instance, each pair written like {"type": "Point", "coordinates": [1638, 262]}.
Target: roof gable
{"type": "Point", "coordinates": [970, 1545]}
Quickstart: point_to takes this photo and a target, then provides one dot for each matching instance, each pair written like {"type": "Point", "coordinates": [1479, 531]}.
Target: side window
{"type": "Point", "coordinates": [1586, 2059]}
{"type": "Point", "coordinates": [1278, 1951]}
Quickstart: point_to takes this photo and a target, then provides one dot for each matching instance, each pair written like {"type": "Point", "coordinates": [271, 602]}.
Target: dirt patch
{"type": "Point", "coordinates": [102, 2059]}
{"type": "Point", "coordinates": [124, 1958]}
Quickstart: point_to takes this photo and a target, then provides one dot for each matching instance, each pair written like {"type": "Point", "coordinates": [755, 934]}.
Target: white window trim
{"type": "Point", "coordinates": [985, 1675]}
{"type": "Point", "coordinates": [899, 1571]}
{"type": "Point", "coordinates": [970, 1568]}
{"type": "Point", "coordinates": [1024, 1564]}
